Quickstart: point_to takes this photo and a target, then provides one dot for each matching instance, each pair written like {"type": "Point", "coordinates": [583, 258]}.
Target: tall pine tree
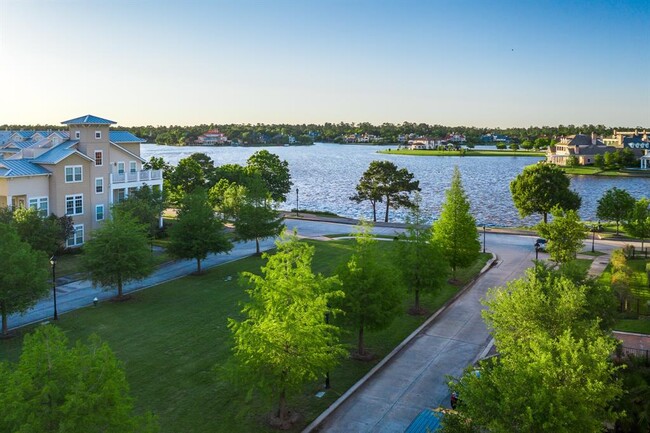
{"type": "Point", "coordinates": [455, 230]}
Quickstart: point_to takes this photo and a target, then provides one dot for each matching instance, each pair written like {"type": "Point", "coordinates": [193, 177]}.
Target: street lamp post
{"type": "Point", "coordinates": [593, 238]}
{"type": "Point", "coordinates": [297, 205]}
{"type": "Point", "coordinates": [483, 239]}
{"type": "Point", "coordinates": [53, 263]}
{"type": "Point", "coordinates": [537, 245]}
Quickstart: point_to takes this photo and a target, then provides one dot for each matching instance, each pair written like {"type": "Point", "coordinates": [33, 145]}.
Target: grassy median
{"type": "Point", "coordinates": [170, 338]}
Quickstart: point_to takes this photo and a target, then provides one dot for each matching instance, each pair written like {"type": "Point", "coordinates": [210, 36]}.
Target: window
{"type": "Point", "coordinates": [76, 238]}
{"type": "Point", "coordinates": [99, 158]}
{"type": "Point", "coordinates": [99, 212]}
{"type": "Point", "coordinates": [73, 173]}
{"type": "Point", "coordinates": [77, 135]}
{"type": "Point", "coordinates": [121, 195]}
{"type": "Point", "coordinates": [40, 204]}
{"type": "Point", "coordinates": [74, 204]}
{"type": "Point", "coordinates": [99, 185]}
{"type": "Point", "coordinates": [120, 167]}
{"type": "Point", "coordinates": [98, 135]}
{"type": "Point", "coordinates": [132, 167]}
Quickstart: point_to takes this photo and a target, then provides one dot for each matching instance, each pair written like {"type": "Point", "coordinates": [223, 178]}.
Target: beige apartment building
{"type": "Point", "coordinates": [79, 173]}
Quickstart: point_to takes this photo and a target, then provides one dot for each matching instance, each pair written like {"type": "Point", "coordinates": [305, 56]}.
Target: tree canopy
{"type": "Point", "coordinates": [197, 231]}
{"type": "Point", "coordinates": [615, 205]}
{"type": "Point", "coordinates": [54, 388]}
{"type": "Point", "coordinates": [455, 231]}
{"type": "Point", "coordinates": [283, 340]}
{"type": "Point", "coordinates": [274, 173]}
{"type": "Point", "coordinates": [118, 253]}
{"type": "Point", "coordinates": [638, 220]}
{"type": "Point", "coordinates": [565, 235]}
{"type": "Point", "coordinates": [384, 182]}
{"type": "Point", "coordinates": [541, 187]}
{"type": "Point", "coordinates": [24, 275]}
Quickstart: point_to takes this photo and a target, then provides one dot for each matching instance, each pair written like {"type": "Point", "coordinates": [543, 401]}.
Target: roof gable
{"type": "Point", "coordinates": [123, 137]}
{"type": "Point", "coordinates": [88, 119]}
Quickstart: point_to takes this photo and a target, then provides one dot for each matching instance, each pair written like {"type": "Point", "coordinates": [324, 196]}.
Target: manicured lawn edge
{"type": "Point", "coordinates": [334, 406]}
{"type": "Point", "coordinates": [459, 153]}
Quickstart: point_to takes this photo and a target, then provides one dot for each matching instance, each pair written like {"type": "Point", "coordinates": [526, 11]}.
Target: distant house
{"type": "Point", "coordinates": [495, 138]}
{"type": "Point", "coordinates": [426, 143]}
{"type": "Point", "coordinates": [645, 160]}
{"type": "Point", "coordinates": [583, 147]}
{"type": "Point", "coordinates": [212, 138]}
{"type": "Point", "coordinates": [455, 137]}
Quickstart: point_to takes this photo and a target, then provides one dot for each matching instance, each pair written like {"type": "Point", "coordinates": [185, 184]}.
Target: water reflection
{"type": "Point", "coordinates": [327, 174]}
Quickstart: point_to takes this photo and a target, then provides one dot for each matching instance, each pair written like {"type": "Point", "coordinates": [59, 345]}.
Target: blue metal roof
{"type": "Point", "coordinates": [57, 153]}
{"type": "Point", "coordinates": [22, 144]}
{"type": "Point", "coordinates": [25, 134]}
{"type": "Point", "coordinates": [123, 137]}
{"type": "Point", "coordinates": [21, 167]}
{"type": "Point", "coordinates": [88, 119]}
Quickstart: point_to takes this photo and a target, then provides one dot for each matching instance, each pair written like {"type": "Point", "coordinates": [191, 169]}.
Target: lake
{"type": "Point", "coordinates": [326, 176]}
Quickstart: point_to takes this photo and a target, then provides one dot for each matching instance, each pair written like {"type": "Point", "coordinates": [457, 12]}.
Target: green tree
{"type": "Point", "coordinates": [283, 342]}
{"type": "Point", "coordinates": [541, 187]}
{"type": "Point", "coordinates": [55, 388]}
{"type": "Point", "coordinates": [554, 372]}
{"type": "Point", "coordinates": [43, 234]}
{"type": "Point", "coordinates": [24, 276]}
{"type": "Point", "coordinates": [146, 205]}
{"type": "Point", "coordinates": [274, 173]}
{"type": "Point", "coordinates": [421, 260]}
{"type": "Point", "coordinates": [197, 232]}
{"type": "Point", "coordinates": [455, 231]}
{"type": "Point", "coordinates": [615, 205]}
{"type": "Point", "coordinates": [117, 253]}
{"type": "Point", "coordinates": [373, 290]}
{"type": "Point", "coordinates": [183, 179]}
{"type": "Point", "coordinates": [255, 216]}
{"type": "Point", "coordinates": [599, 161]}
{"type": "Point", "coordinates": [565, 235]}
{"type": "Point", "coordinates": [638, 220]}
{"type": "Point", "coordinates": [384, 182]}
{"type": "Point", "coordinates": [156, 163]}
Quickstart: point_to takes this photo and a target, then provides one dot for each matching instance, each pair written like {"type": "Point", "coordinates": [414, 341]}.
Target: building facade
{"type": "Point", "coordinates": [80, 172]}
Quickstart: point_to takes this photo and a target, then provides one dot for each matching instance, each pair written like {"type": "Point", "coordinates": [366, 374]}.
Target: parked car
{"type": "Point", "coordinates": [541, 244]}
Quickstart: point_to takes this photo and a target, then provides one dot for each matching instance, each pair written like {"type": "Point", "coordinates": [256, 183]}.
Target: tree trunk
{"type": "Point", "coordinates": [360, 347]}
{"type": "Point", "coordinates": [282, 407]}
{"type": "Point", "coordinates": [387, 207]}
{"type": "Point", "coordinates": [257, 245]}
{"type": "Point", "coordinates": [198, 266]}
{"type": "Point", "coordinates": [374, 211]}
{"type": "Point", "coordinates": [119, 287]}
{"type": "Point", "coordinates": [616, 228]}
{"type": "Point", "coordinates": [3, 310]}
{"type": "Point", "coordinates": [417, 300]}
{"type": "Point", "coordinates": [545, 217]}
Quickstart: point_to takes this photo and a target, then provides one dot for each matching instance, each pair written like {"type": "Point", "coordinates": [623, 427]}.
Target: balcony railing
{"type": "Point", "coordinates": [136, 176]}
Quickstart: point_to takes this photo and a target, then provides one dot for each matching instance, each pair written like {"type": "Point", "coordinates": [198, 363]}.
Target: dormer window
{"type": "Point", "coordinates": [77, 135]}
{"type": "Point", "coordinates": [98, 135]}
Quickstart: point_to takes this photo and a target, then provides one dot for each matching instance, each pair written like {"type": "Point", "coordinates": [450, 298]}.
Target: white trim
{"type": "Point", "coordinates": [129, 152]}
{"type": "Point", "coordinates": [101, 185]}
{"type": "Point", "coordinates": [73, 173]}
{"type": "Point", "coordinates": [133, 166]}
{"type": "Point", "coordinates": [101, 158]}
{"type": "Point", "coordinates": [77, 135]}
{"type": "Point", "coordinates": [74, 198]}
{"type": "Point", "coordinates": [39, 202]}
{"type": "Point", "coordinates": [98, 135]}
{"type": "Point", "coordinates": [97, 207]}
{"type": "Point", "coordinates": [76, 239]}
{"type": "Point", "coordinates": [121, 163]}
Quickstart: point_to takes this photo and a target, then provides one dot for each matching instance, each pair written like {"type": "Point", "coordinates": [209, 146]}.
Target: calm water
{"type": "Point", "coordinates": [326, 176]}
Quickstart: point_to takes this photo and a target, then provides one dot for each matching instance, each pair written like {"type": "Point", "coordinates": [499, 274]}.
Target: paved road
{"type": "Point", "coordinates": [416, 378]}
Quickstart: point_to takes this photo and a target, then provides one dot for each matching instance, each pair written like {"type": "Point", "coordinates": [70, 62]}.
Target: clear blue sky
{"type": "Point", "coordinates": [453, 62]}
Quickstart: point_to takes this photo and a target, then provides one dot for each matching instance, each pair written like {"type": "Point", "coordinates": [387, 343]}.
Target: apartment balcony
{"type": "Point", "coordinates": [136, 178]}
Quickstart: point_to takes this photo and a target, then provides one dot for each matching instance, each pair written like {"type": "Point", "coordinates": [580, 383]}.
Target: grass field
{"type": "Point", "coordinates": [171, 337]}
{"type": "Point", "coordinates": [469, 152]}
{"type": "Point", "coordinates": [595, 171]}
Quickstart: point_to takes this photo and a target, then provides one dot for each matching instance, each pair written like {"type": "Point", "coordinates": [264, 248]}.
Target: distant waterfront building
{"type": "Point", "coordinates": [583, 147]}
{"type": "Point", "coordinates": [455, 137]}
{"type": "Point", "coordinates": [620, 138]}
{"type": "Point", "coordinates": [80, 172]}
{"type": "Point", "coordinates": [212, 138]}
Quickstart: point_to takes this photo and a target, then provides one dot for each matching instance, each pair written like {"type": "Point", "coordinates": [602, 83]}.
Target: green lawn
{"type": "Point", "coordinates": [171, 337]}
{"type": "Point", "coordinates": [70, 264]}
{"type": "Point", "coordinates": [469, 152]}
{"type": "Point", "coordinates": [639, 299]}
{"type": "Point", "coordinates": [591, 170]}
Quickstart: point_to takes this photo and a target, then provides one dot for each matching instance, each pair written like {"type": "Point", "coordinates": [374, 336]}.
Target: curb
{"type": "Point", "coordinates": [388, 358]}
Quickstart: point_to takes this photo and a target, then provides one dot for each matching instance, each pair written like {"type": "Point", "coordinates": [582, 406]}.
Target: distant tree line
{"type": "Point", "coordinates": [261, 133]}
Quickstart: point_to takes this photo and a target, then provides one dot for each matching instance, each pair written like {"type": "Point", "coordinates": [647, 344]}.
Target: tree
{"type": "Point", "coordinates": [373, 290]}
{"type": "Point", "coordinates": [43, 234]}
{"type": "Point", "coordinates": [117, 253]}
{"type": "Point", "coordinates": [565, 235]}
{"type": "Point", "coordinates": [621, 277]}
{"type": "Point", "coordinates": [274, 173]}
{"type": "Point", "coordinates": [638, 220]}
{"type": "Point", "coordinates": [55, 388]}
{"type": "Point", "coordinates": [384, 182]}
{"type": "Point", "coordinates": [197, 231]}
{"type": "Point", "coordinates": [187, 176]}
{"type": "Point", "coordinates": [156, 163]}
{"type": "Point", "coordinates": [541, 187]}
{"type": "Point", "coordinates": [553, 373]}
{"type": "Point", "coordinates": [421, 260]}
{"type": "Point", "coordinates": [615, 205]}
{"type": "Point", "coordinates": [24, 275]}
{"type": "Point", "coordinates": [599, 161]}
{"type": "Point", "coordinates": [284, 342]}
{"type": "Point", "coordinates": [146, 205]}
{"type": "Point", "coordinates": [255, 216]}
{"type": "Point", "coordinates": [455, 230]}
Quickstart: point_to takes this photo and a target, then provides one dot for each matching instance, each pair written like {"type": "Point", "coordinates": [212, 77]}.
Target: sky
{"type": "Point", "coordinates": [452, 62]}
